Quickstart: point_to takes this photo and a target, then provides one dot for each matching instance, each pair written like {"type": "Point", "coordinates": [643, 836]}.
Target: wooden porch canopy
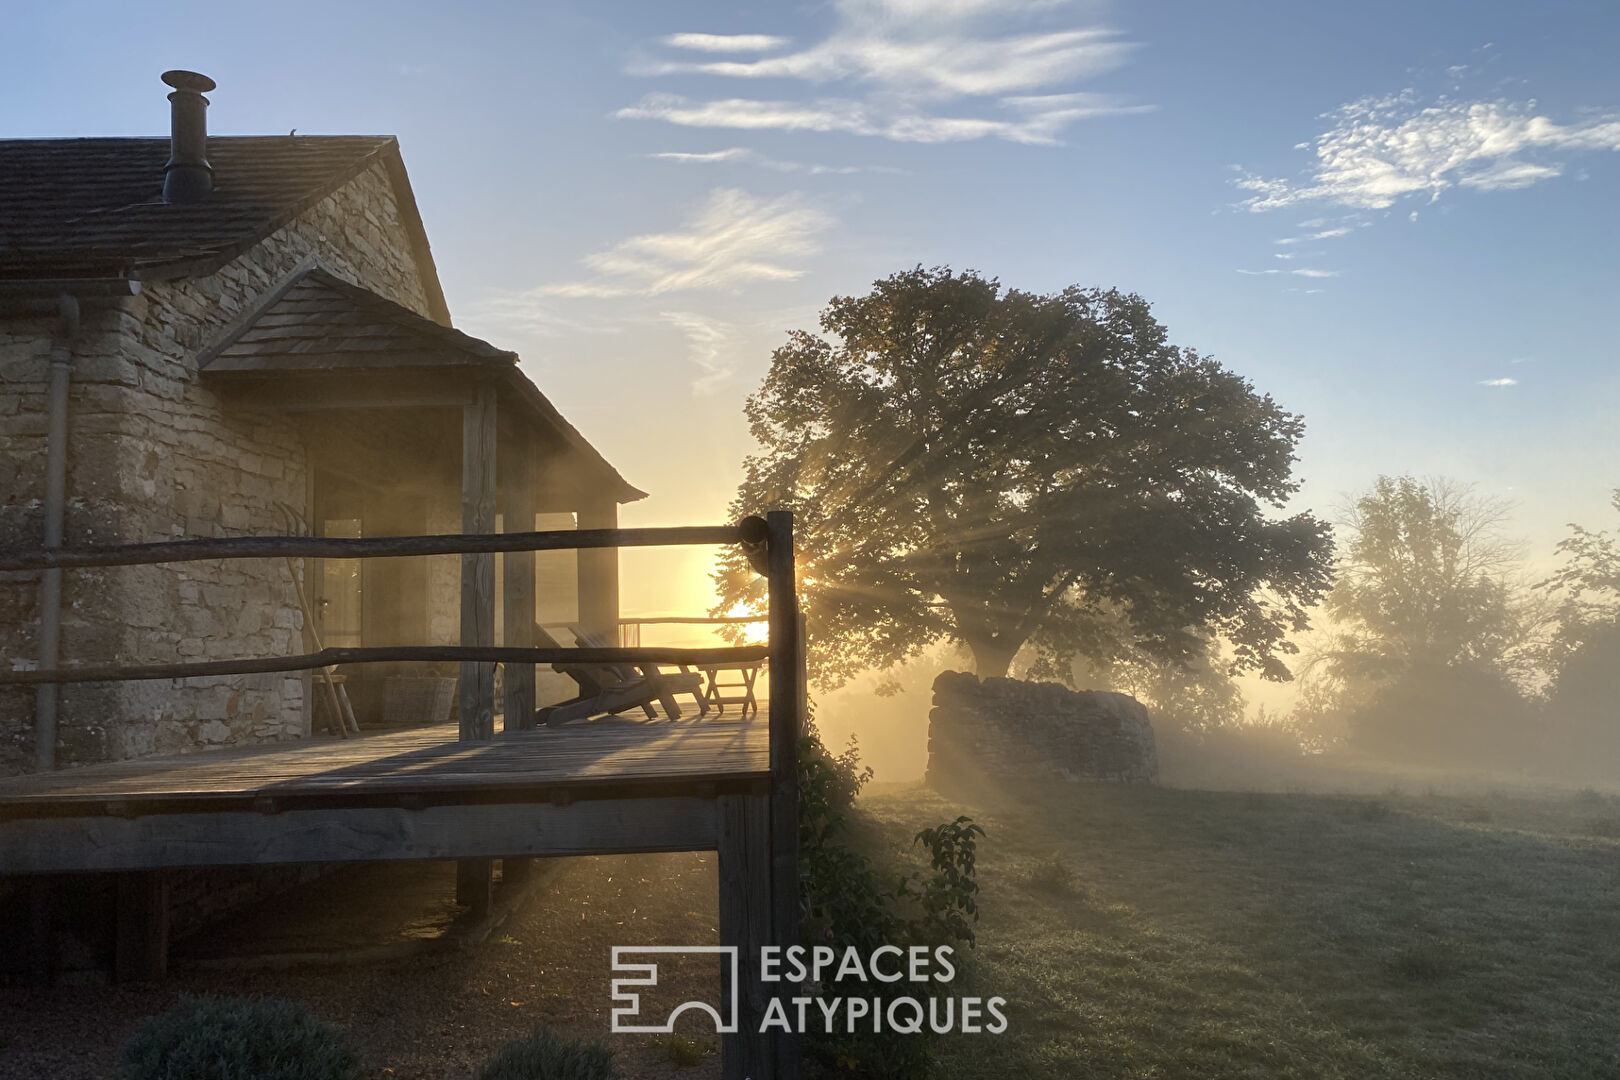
{"type": "Point", "coordinates": [318, 344]}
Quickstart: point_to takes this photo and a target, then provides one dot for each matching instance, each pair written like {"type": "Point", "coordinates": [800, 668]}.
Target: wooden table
{"type": "Point", "coordinates": [747, 674]}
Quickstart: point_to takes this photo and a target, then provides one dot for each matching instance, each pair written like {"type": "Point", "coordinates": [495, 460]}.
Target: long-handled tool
{"type": "Point", "coordinates": [337, 694]}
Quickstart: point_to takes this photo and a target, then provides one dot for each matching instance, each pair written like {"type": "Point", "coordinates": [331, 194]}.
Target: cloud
{"type": "Point", "coordinates": [1378, 151]}
{"type": "Point", "coordinates": [1034, 120]}
{"type": "Point", "coordinates": [722, 43]}
{"type": "Point", "coordinates": [1325, 234]}
{"type": "Point", "coordinates": [708, 340]}
{"type": "Point", "coordinates": [1499, 382]}
{"type": "Point", "coordinates": [1302, 272]}
{"type": "Point", "coordinates": [743, 155]}
{"type": "Point", "coordinates": [732, 240]}
{"type": "Point", "coordinates": [914, 71]}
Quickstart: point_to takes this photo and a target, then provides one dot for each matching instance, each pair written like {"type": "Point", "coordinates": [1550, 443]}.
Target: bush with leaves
{"type": "Point", "coordinates": [209, 1037]}
{"type": "Point", "coordinates": [846, 903]}
{"type": "Point", "coordinates": [545, 1055]}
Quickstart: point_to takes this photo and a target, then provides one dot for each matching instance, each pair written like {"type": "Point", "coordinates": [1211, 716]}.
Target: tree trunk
{"type": "Point", "coordinates": [992, 655]}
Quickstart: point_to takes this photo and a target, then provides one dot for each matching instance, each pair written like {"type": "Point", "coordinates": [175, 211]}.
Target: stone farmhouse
{"type": "Point", "coordinates": [205, 336]}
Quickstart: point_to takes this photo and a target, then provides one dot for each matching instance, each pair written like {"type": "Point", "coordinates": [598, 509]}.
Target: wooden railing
{"type": "Point", "coordinates": [768, 545]}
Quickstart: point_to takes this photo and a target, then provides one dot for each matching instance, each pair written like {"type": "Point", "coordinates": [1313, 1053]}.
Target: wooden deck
{"type": "Point", "coordinates": [608, 786]}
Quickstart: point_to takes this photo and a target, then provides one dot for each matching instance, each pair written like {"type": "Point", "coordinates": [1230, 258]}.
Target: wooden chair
{"type": "Point", "coordinates": [612, 688]}
{"type": "Point", "coordinates": [664, 684]}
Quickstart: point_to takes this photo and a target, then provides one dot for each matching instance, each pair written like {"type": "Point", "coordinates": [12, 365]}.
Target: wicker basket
{"type": "Point", "coordinates": [409, 700]}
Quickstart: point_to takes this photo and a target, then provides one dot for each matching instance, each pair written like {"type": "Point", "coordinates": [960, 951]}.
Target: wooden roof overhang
{"type": "Point", "coordinates": [319, 344]}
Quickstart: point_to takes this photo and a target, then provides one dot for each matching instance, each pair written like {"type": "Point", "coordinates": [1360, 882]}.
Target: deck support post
{"type": "Point", "coordinates": [787, 714]}
{"type": "Point", "coordinates": [475, 877]}
{"type": "Point", "coordinates": [599, 572]}
{"type": "Point", "coordinates": [744, 836]}
{"type": "Point", "coordinates": [141, 942]}
{"type": "Point", "coordinates": [517, 585]}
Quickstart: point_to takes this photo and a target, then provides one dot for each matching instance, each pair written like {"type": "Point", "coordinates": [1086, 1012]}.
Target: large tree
{"type": "Point", "coordinates": [1427, 580]}
{"type": "Point", "coordinates": [1431, 629]}
{"type": "Point", "coordinates": [993, 467]}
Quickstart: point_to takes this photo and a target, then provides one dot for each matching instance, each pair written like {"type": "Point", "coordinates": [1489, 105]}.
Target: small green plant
{"type": "Point", "coordinates": [545, 1055]}
{"type": "Point", "coordinates": [209, 1037]}
{"type": "Point", "coordinates": [683, 1050]}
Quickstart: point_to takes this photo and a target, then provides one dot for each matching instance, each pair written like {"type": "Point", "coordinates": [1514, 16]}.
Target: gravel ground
{"type": "Point", "coordinates": [435, 1014]}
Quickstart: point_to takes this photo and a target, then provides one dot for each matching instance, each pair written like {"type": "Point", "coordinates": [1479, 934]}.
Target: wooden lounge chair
{"type": "Point", "coordinates": [664, 684]}
{"type": "Point", "coordinates": [613, 688]}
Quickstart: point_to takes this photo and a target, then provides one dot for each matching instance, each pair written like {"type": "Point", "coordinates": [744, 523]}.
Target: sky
{"type": "Point", "coordinates": [1398, 219]}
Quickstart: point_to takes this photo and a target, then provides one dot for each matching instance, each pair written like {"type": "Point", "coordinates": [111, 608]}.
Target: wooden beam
{"type": "Point", "coordinates": [369, 547]}
{"type": "Point", "coordinates": [141, 941]}
{"type": "Point", "coordinates": [745, 923]}
{"type": "Point", "coordinates": [787, 719]}
{"type": "Point", "coordinates": [628, 825]}
{"type": "Point", "coordinates": [490, 654]}
{"type": "Point", "coordinates": [599, 572]}
{"type": "Point", "coordinates": [475, 878]}
{"type": "Point", "coordinates": [478, 571]}
{"type": "Point", "coordinates": [475, 885]}
{"type": "Point", "coordinates": [517, 582]}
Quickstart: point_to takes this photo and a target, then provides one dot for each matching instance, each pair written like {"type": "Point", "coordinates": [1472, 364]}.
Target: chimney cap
{"type": "Point", "coordinates": [181, 79]}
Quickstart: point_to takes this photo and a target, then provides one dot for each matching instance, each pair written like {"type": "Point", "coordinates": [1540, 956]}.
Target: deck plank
{"type": "Point", "coordinates": [424, 759]}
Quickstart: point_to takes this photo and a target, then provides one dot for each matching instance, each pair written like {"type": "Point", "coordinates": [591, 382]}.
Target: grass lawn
{"type": "Point", "coordinates": [1155, 932]}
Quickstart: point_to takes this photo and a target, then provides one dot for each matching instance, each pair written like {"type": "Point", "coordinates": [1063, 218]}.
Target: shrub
{"type": "Point", "coordinates": [545, 1055]}
{"type": "Point", "coordinates": [209, 1037]}
{"type": "Point", "coordinates": [845, 904]}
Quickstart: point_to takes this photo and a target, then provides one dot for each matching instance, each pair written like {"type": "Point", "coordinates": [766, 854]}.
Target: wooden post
{"type": "Point", "coordinates": [599, 572]}
{"type": "Point", "coordinates": [141, 945]}
{"type": "Point", "coordinates": [745, 922]}
{"type": "Point", "coordinates": [517, 582]}
{"type": "Point", "coordinates": [478, 571]}
{"type": "Point", "coordinates": [475, 877]}
{"type": "Point", "coordinates": [787, 698]}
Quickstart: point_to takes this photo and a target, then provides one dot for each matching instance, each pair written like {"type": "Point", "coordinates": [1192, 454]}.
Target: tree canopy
{"type": "Point", "coordinates": [994, 467]}
{"type": "Point", "coordinates": [1426, 582]}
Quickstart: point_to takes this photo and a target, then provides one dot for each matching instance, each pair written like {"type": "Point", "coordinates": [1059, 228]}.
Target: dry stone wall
{"type": "Point", "coordinates": [154, 454]}
{"type": "Point", "coordinates": [1007, 730]}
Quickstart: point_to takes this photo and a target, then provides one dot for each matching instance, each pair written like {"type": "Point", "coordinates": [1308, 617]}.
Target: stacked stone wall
{"type": "Point", "coordinates": [1006, 731]}
{"type": "Point", "coordinates": [154, 454]}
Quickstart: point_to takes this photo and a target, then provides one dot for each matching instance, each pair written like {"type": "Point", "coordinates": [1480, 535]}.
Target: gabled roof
{"type": "Point", "coordinates": [316, 321]}
{"type": "Point", "coordinates": [317, 325]}
{"type": "Point", "coordinates": [93, 208]}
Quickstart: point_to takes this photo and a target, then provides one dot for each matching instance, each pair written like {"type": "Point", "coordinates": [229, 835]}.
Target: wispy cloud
{"type": "Point", "coordinates": [1499, 382]}
{"type": "Point", "coordinates": [726, 43]}
{"type": "Point", "coordinates": [732, 240]}
{"type": "Point", "coordinates": [708, 341]}
{"type": "Point", "coordinates": [745, 156]}
{"type": "Point", "coordinates": [914, 71]}
{"type": "Point", "coordinates": [1301, 272]}
{"type": "Point", "coordinates": [1037, 120]}
{"type": "Point", "coordinates": [1378, 151]}
{"type": "Point", "coordinates": [1325, 234]}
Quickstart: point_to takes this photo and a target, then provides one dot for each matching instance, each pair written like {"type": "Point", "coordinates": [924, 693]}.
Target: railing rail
{"type": "Point", "coordinates": [484, 654]}
{"type": "Point", "coordinates": [365, 547]}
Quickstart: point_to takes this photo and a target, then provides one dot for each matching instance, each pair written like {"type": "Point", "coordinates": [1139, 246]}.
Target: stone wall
{"type": "Point", "coordinates": [1010, 730]}
{"type": "Point", "coordinates": [154, 454]}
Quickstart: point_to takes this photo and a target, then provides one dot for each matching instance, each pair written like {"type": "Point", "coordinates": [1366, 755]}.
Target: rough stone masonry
{"type": "Point", "coordinates": [1010, 730]}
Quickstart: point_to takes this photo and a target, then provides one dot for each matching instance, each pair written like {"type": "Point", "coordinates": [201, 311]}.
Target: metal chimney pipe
{"type": "Point", "coordinates": [188, 177]}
